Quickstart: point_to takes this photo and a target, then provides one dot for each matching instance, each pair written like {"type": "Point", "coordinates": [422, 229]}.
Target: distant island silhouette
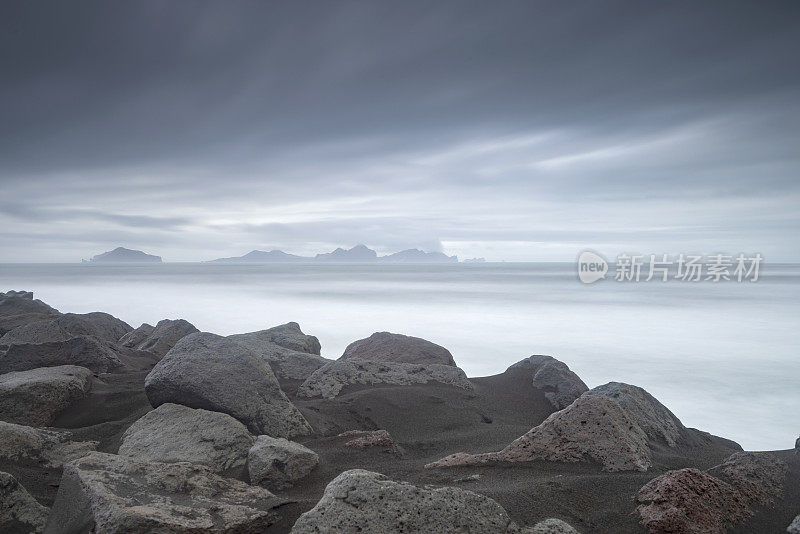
{"type": "Point", "coordinates": [124, 255]}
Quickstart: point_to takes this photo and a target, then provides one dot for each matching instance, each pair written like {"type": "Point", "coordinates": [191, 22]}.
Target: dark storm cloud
{"type": "Point", "coordinates": [302, 125]}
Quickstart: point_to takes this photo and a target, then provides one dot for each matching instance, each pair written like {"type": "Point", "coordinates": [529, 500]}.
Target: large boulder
{"type": "Point", "coordinates": [291, 354]}
{"type": "Point", "coordinates": [278, 463]}
{"type": "Point", "coordinates": [214, 373]}
{"type": "Point", "coordinates": [329, 380]}
{"type": "Point", "coordinates": [560, 385]}
{"type": "Point", "coordinates": [593, 427]}
{"type": "Point", "coordinates": [174, 433]}
{"type": "Point", "coordinates": [163, 337]}
{"type": "Point", "coordinates": [18, 308]}
{"type": "Point", "coordinates": [19, 511]}
{"type": "Point", "coordinates": [690, 501]}
{"type": "Point", "coordinates": [643, 409]}
{"type": "Point", "coordinates": [759, 476]}
{"type": "Point", "coordinates": [388, 347]}
{"type": "Point", "coordinates": [363, 501]}
{"type": "Point", "coordinates": [81, 350]}
{"type": "Point", "coordinates": [116, 494]}
{"type": "Point", "coordinates": [137, 336]}
{"type": "Point", "coordinates": [37, 396]}
{"type": "Point", "coordinates": [24, 445]}
{"type": "Point", "coordinates": [96, 324]}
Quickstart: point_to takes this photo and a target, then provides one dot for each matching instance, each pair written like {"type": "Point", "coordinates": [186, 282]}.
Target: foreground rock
{"type": "Point", "coordinates": [360, 439]}
{"type": "Point", "coordinates": [759, 476]}
{"type": "Point", "coordinates": [593, 427]}
{"type": "Point", "coordinates": [81, 350]}
{"type": "Point", "coordinates": [560, 385]}
{"type": "Point", "coordinates": [388, 347]}
{"type": "Point", "coordinates": [110, 493]}
{"type": "Point", "coordinates": [551, 526]}
{"type": "Point", "coordinates": [328, 381]}
{"type": "Point", "coordinates": [161, 339]}
{"type": "Point", "coordinates": [690, 501]}
{"type": "Point", "coordinates": [96, 324]}
{"type": "Point", "coordinates": [18, 308]}
{"type": "Point", "coordinates": [643, 409]}
{"type": "Point", "coordinates": [214, 373]}
{"type": "Point", "coordinates": [794, 527]}
{"type": "Point", "coordinates": [36, 397]}
{"type": "Point", "coordinates": [174, 433]}
{"type": "Point", "coordinates": [19, 512]}
{"type": "Point", "coordinates": [291, 354]}
{"type": "Point", "coordinates": [363, 501]}
{"type": "Point", "coordinates": [24, 445]}
{"type": "Point", "coordinates": [278, 463]}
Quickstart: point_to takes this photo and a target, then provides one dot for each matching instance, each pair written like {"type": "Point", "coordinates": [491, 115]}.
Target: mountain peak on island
{"type": "Point", "coordinates": [415, 255]}
{"type": "Point", "coordinates": [262, 256]}
{"type": "Point", "coordinates": [125, 255]}
{"type": "Point", "coordinates": [358, 253]}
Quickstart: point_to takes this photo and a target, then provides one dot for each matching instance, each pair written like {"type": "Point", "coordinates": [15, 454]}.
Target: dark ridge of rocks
{"type": "Point", "coordinates": [689, 501]}
{"type": "Point", "coordinates": [96, 324]}
{"type": "Point", "coordinates": [110, 493]}
{"type": "Point", "coordinates": [18, 308]}
{"type": "Point", "coordinates": [20, 513]}
{"type": "Point", "coordinates": [561, 386]}
{"type": "Point", "coordinates": [81, 350]}
{"type": "Point", "coordinates": [159, 339]}
{"type": "Point", "coordinates": [214, 373]}
{"type": "Point", "coordinates": [38, 396]}
{"type": "Point", "coordinates": [388, 347]}
{"type": "Point", "coordinates": [364, 501]}
{"type": "Point", "coordinates": [136, 337]}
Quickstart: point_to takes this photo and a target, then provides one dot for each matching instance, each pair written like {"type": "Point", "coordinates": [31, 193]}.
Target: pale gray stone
{"type": "Point", "coordinates": [50, 448]}
{"type": "Point", "coordinates": [278, 463]}
{"type": "Point", "coordinates": [165, 335]}
{"type": "Point", "coordinates": [291, 354]}
{"type": "Point", "coordinates": [36, 397]}
{"type": "Point", "coordinates": [388, 347]}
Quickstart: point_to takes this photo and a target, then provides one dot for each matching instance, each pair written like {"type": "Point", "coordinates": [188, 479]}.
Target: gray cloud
{"type": "Point", "coordinates": [520, 131]}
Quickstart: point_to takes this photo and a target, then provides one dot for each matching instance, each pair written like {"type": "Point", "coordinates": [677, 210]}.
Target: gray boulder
{"type": "Point", "coordinates": [96, 324]}
{"type": "Point", "coordinates": [115, 494]}
{"type": "Point", "coordinates": [329, 380]}
{"type": "Point", "coordinates": [136, 337]}
{"type": "Point", "coordinates": [19, 511]}
{"type": "Point", "coordinates": [278, 463]}
{"type": "Point", "coordinates": [214, 373]}
{"type": "Point", "coordinates": [551, 526]}
{"type": "Point", "coordinates": [24, 445]}
{"type": "Point", "coordinates": [174, 433]}
{"type": "Point", "coordinates": [560, 385]}
{"type": "Point", "coordinates": [291, 354]}
{"type": "Point", "coordinates": [643, 409]}
{"type": "Point", "coordinates": [794, 527]}
{"type": "Point", "coordinates": [363, 501]}
{"type": "Point", "coordinates": [759, 476]}
{"type": "Point", "coordinates": [81, 350]}
{"type": "Point", "coordinates": [593, 427]}
{"type": "Point", "coordinates": [37, 396]}
{"type": "Point", "coordinates": [165, 335]}
{"type": "Point", "coordinates": [388, 347]}
{"type": "Point", "coordinates": [18, 308]}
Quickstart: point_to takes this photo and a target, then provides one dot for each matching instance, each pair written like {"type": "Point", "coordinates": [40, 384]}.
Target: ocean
{"type": "Point", "coordinates": [722, 356]}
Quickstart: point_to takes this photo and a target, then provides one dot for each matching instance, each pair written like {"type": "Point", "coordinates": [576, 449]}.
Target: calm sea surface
{"type": "Point", "coordinates": [722, 356]}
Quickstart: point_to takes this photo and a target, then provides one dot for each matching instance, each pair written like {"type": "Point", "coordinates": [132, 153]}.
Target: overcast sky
{"type": "Point", "coordinates": [516, 130]}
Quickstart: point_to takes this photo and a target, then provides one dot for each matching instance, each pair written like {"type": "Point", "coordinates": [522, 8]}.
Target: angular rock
{"type": "Point", "coordinates": [560, 385]}
{"type": "Point", "coordinates": [165, 335]}
{"type": "Point", "coordinates": [136, 337]}
{"type": "Point", "coordinates": [759, 476]}
{"type": "Point", "coordinates": [363, 501]}
{"type": "Point", "coordinates": [388, 347]}
{"type": "Point", "coordinates": [794, 526]}
{"type": "Point", "coordinates": [690, 501]}
{"type": "Point", "coordinates": [551, 526]}
{"type": "Point", "coordinates": [96, 324]}
{"type": "Point", "coordinates": [115, 494]}
{"type": "Point", "coordinates": [368, 438]}
{"type": "Point", "coordinates": [36, 397]}
{"type": "Point", "coordinates": [174, 433]}
{"type": "Point", "coordinates": [291, 354]}
{"type": "Point", "coordinates": [25, 445]}
{"type": "Point", "coordinates": [278, 463]}
{"type": "Point", "coordinates": [329, 380]}
{"type": "Point", "coordinates": [81, 350]}
{"type": "Point", "coordinates": [214, 373]}
{"type": "Point", "coordinates": [592, 427]}
{"type": "Point", "coordinates": [643, 409]}
{"type": "Point", "coordinates": [18, 308]}
{"type": "Point", "coordinates": [20, 513]}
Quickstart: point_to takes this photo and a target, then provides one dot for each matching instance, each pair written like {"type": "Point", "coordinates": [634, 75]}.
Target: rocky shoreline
{"type": "Point", "coordinates": [108, 428]}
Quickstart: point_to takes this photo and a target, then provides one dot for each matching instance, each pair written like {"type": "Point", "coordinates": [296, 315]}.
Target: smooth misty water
{"type": "Point", "coordinates": [723, 357]}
